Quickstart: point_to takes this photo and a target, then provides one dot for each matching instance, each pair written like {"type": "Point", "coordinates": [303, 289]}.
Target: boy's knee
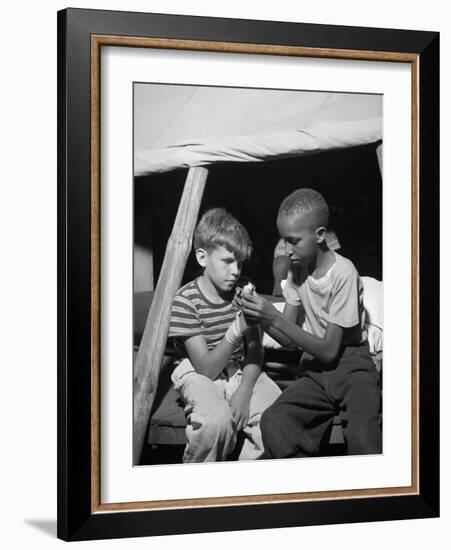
{"type": "Point", "coordinates": [219, 424]}
{"type": "Point", "coordinates": [211, 434]}
{"type": "Point", "coordinates": [280, 437]}
{"type": "Point", "coordinates": [364, 397]}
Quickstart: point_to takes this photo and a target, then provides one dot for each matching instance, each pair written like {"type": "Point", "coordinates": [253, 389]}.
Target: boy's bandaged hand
{"type": "Point", "coordinates": [238, 327]}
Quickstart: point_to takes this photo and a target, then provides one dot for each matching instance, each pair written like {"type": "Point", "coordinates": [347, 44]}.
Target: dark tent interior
{"type": "Point", "coordinates": [349, 179]}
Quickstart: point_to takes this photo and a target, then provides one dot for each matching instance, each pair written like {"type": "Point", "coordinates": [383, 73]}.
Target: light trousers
{"type": "Point", "coordinates": [211, 431]}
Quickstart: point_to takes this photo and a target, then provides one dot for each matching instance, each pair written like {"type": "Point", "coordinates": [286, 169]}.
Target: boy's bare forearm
{"type": "Point", "coordinates": [279, 336]}
{"type": "Point", "coordinates": [253, 363]}
{"type": "Point", "coordinates": [212, 362]}
{"type": "Point", "coordinates": [253, 360]}
{"type": "Point", "coordinates": [215, 360]}
{"type": "Point", "coordinates": [251, 372]}
{"type": "Point", "coordinates": [323, 349]}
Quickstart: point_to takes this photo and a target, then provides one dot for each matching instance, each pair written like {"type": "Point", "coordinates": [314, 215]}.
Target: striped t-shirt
{"type": "Point", "coordinates": [193, 314]}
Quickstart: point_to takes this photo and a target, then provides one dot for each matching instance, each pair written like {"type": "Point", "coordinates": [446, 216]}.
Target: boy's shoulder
{"type": "Point", "coordinates": [186, 301]}
{"type": "Point", "coordinates": [188, 296]}
{"type": "Point", "coordinates": [344, 266]}
{"type": "Point", "coordinates": [188, 290]}
{"type": "Point", "coordinates": [345, 275]}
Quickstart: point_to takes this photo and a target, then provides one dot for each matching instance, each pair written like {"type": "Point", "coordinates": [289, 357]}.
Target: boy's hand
{"type": "Point", "coordinates": [256, 308]}
{"type": "Point", "coordinates": [239, 403]}
{"type": "Point", "coordinates": [238, 304]}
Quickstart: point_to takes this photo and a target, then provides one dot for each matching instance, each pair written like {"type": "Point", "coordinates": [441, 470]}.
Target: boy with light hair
{"type": "Point", "coordinates": [219, 372]}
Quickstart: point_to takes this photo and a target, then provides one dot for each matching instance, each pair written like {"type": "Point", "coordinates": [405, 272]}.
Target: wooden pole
{"type": "Point", "coordinates": [153, 342]}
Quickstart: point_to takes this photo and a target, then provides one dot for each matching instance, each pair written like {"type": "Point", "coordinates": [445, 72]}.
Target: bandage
{"type": "Point", "coordinates": [235, 332]}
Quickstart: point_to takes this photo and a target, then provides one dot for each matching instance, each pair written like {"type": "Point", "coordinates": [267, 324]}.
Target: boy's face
{"type": "Point", "coordinates": [220, 266]}
{"type": "Point", "coordinates": [300, 238]}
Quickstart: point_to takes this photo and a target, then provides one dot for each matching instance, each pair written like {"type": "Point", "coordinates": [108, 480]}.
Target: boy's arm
{"type": "Point", "coordinates": [185, 324]}
{"type": "Point", "coordinates": [209, 363]}
{"type": "Point", "coordinates": [253, 361]}
{"type": "Point", "coordinates": [290, 312]}
{"type": "Point", "coordinates": [292, 306]}
{"type": "Point", "coordinates": [325, 349]}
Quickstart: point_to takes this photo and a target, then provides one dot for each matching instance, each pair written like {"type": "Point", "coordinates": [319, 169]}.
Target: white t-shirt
{"type": "Point", "coordinates": [336, 298]}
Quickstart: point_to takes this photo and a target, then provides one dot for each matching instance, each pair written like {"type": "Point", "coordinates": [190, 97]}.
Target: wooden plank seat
{"type": "Point", "coordinates": [167, 423]}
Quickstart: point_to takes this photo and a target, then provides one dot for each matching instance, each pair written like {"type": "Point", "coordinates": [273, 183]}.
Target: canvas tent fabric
{"type": "Point", "coordinates": [184, 126]}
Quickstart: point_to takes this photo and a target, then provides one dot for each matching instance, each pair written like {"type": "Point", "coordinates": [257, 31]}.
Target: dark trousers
{"type": "Point", "coordinates": [295, 425]}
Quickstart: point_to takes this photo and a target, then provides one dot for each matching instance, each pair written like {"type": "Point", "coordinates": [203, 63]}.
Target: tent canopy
{"type": "Point", "coordinates": [183, 126]}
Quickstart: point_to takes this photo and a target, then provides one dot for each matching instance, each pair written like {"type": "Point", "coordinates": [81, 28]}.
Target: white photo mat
{"type": "Point", "coordinates": [120, 481]}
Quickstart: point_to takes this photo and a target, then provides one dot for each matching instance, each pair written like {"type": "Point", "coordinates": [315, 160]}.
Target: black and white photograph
{"type": "Point", "coordinates": [225, 262]}
{"type": "Point", "coordinates": [257, 274]}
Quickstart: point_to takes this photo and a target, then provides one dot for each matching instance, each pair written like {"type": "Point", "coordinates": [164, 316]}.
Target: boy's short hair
{"type": "Point", "coordinates": [217, 227]}
{"type": "Point", "coordinates": [309, 203]}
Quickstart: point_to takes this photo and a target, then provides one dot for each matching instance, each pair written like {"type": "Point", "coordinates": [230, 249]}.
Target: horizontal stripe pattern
{"type": "Point", "coordinates": [193, 315]}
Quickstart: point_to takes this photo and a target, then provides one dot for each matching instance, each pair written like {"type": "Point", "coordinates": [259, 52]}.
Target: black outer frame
{"type": "Point", "coordinates": [75, 520]}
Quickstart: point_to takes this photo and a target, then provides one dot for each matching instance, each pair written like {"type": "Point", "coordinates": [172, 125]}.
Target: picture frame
{"type": "Point", "coordinates": [81, 36]}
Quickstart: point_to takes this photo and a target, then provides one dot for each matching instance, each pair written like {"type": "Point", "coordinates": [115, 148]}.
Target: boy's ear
{"type": "Point", "coordinates": [320, 235]}
{"type": "Point", "coordinates": [201, 257]}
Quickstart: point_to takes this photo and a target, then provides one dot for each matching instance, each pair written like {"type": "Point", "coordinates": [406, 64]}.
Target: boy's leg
{"type": "Point", "coordinates": [295, 424]}
{"type": "Point", "coordinates": [264, 394]}
{"type": "Point", "coordinates": [359, 394]}
{"type": "Point", "coordinates": [211, 431]}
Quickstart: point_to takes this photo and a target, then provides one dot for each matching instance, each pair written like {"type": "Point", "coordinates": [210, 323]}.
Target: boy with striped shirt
{"type": "Point", "coordinates": [218, 377]}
